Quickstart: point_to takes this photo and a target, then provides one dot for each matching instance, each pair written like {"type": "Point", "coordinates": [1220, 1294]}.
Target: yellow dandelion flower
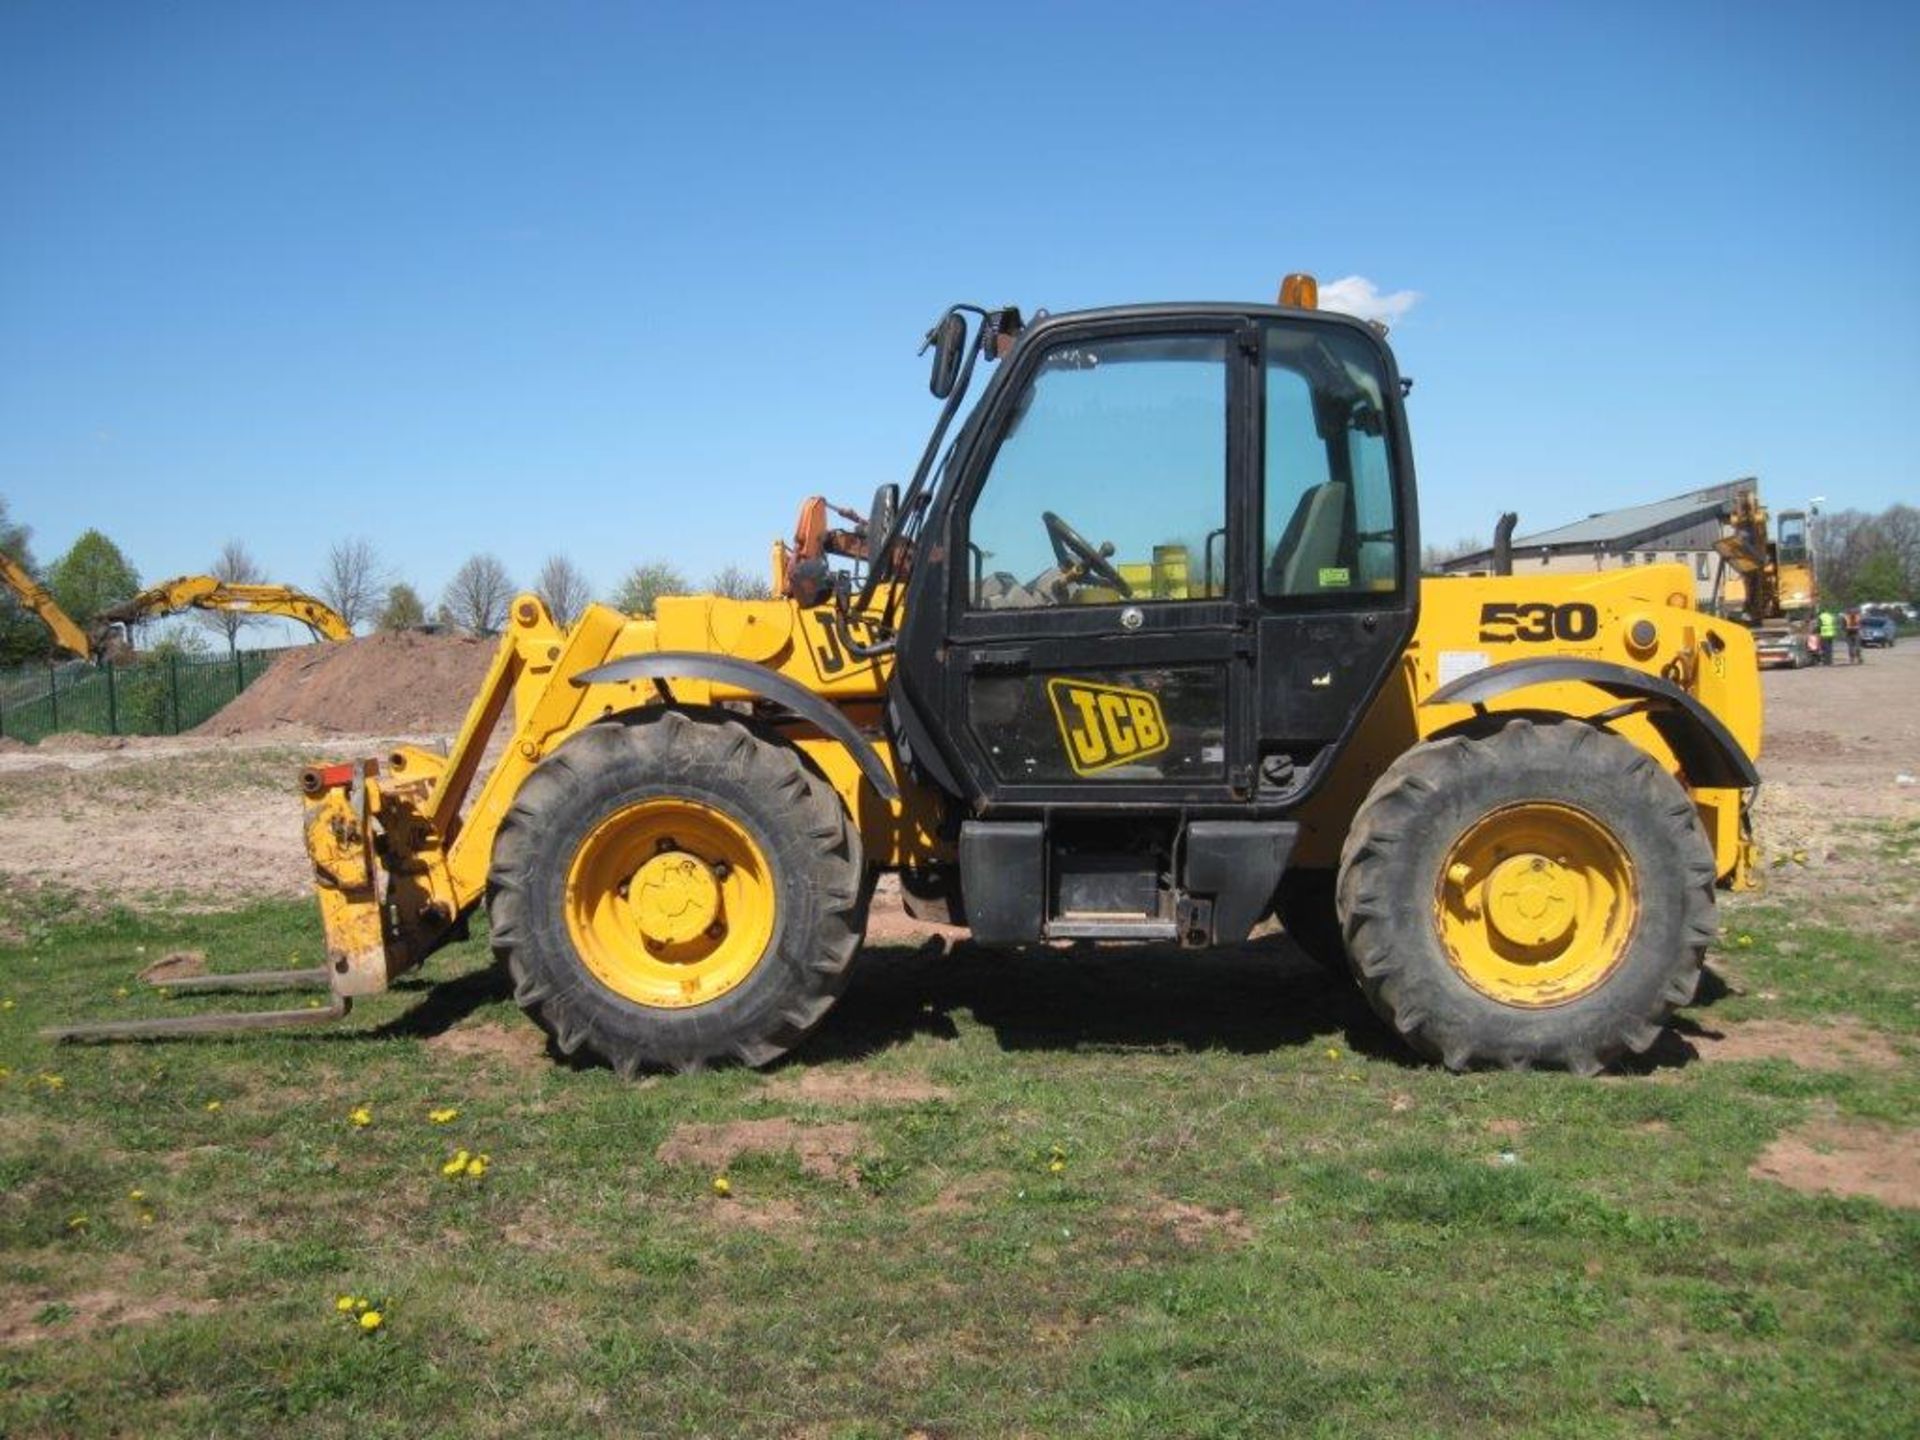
{"type": "Point", "coordinates": [344, 1304]}
{"type": "Point", "coordinates": [476, 1167]}
{"type": "Point", "coordinates": [722, 1186]}
{"type": "Point", "coordinates": [455, 1165]}
{"type": "Point", "coordinates": [136, 1196]}
{"type": "Point", "coordinates": [213, 1107]}
{"type": "Point", "coordinates": [360, 1116]}
{"type": "Point", "coordinates": [445, 1115]}
{"type": "Point", "coordinates": [1332, 1053]}
{"type": "Point", "coordinates": [372, 1320]}
{"type": "Point", "coordinates": [146, 1217]}
{"type": "Point", "coordinates": [1744, 941]}
{"type": "Point", "coordinates": [1056, 1165]}
{"type": "Point", "coordinates": [6, 1004]}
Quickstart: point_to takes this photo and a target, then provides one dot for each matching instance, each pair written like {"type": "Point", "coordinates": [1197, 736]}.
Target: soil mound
{"type": "Point", "coordinates": [409, 683]}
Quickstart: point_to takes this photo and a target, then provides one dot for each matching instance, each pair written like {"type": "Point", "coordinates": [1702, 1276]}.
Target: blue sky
{"type": "Point", "coordinates": [626, 282]}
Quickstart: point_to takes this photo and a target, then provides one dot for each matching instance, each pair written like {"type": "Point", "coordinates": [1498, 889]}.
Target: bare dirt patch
{"type": "Point", "coordinates": [963, 1195]}
{"type": "Point", "coordinates": [176, 965]}
{"type": "Point", "coordinates": [522, 1046]}
{"type": "Point", "coordinates": [1841, 1158]}
{"type": "Point", "coordinates": [1840, 1046]}
{"type": "Point", "coordinates": [1202, 1224]}
{"type": "Point", "coordinates": [774, 1216]}
{"type": "Point", "coordinates": [42, 1312]}
{"type": "Point", "coordinates": [1836, 741]}
{"type": "Point", "coordinates": [855, 1087]}
{"type": "Point", "coordinates": [78, 742]}
{"type": "Point", "coordinates": [826, 1151]}
{"type": "Point", "coordinates": [206, 824]}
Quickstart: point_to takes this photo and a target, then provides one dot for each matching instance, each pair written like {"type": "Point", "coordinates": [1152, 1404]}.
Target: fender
{"type": "Point", "coordinates": [1705, 748]}
{"type": "Point", "coordinates": [759, 680]}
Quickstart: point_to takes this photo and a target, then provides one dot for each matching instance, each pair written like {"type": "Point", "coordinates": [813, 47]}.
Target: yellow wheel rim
{"type": "Point", "coordinates": [1536, 904]}
{"type": "Point", "coordinates": [670, 903]}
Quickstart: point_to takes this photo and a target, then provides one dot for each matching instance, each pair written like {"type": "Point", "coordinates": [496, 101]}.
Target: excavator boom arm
{"type": "Point", "coordinates": [205, 592]}
{"type": "Point", "coordinates": [37, 598]}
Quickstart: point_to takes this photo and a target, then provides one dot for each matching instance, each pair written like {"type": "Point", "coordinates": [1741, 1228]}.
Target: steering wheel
{"type": "Point", "coordinates": [1078, 559]}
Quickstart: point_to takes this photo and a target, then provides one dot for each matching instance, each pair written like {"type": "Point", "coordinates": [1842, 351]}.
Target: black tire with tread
{"type": "Point", "coordinates": [1428, 798]}
{"type": "Point", "coordinates": [720, 760]}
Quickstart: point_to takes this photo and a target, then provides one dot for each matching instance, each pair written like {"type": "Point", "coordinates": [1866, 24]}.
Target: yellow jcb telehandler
{"type": "Point", "coordinates": [1142, 656]}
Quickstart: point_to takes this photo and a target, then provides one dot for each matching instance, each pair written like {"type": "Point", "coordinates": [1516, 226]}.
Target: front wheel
{"type": "Point", "coordinates": [676, 890]}
{"type": "Point", "coordinates": [1541, 895]}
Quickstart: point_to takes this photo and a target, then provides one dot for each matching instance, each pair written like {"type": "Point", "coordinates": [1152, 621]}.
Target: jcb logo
{"type": "Point", "coordinates": [1106, 725]}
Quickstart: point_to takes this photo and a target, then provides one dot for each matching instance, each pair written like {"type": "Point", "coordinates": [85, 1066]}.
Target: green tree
{"type": "Point", "coordinates": [146, 689]}
{"type": "Point", "coordinates": [403, 609]}
{"type": "Point", "coordinates": [92, 576]}
{"type": "Point", "coordinates": [22, 634]}
{"type": "Point", "coordinates": [644, 586]}
{"type": "Point", "coordinates": [1877, 578]}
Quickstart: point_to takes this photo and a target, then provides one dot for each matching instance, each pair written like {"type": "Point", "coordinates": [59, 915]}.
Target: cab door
{"type": "Point", "coordinates": [1099, 635]}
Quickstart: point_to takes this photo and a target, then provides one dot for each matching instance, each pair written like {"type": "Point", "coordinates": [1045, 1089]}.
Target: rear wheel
{"type": "Point", "coordinates": [676, 890]}
{"type": "Point", "coordinates": [1542, 895]}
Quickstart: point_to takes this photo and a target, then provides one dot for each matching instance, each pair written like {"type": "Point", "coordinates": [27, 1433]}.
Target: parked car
{"type": "Point", "coordinates": [1878, 631]}
{"type": "Point", "coordinates": [1787, 647]}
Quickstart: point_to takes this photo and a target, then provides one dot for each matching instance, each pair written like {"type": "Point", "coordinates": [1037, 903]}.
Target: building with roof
{"type": "Point", "coordinates": [1681, 529]}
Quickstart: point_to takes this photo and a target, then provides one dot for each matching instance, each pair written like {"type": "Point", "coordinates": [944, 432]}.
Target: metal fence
{"type": "Point", "coordinates": [151, 695]}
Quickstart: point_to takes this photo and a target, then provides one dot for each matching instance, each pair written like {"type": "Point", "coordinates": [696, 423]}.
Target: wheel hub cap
{"type": "Point", "coordinates": [1536, 904]}
{"type": "Point", "coordinates": [675, 898]}
{"type": "Point", "coordinates": [1531, 900]}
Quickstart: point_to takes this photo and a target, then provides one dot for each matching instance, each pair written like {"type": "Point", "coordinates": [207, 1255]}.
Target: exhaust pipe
{"type": "Point", "coordinates": [1503, 543]}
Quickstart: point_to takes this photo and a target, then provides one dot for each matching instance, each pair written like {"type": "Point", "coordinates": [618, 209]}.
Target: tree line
{"type": "Point", "coordinates": [94, 574]}
{"type": "Point", "coordinates": [1860, 558]}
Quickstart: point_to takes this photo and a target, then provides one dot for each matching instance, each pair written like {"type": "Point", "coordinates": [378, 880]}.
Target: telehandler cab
{"type": "Point", "coordinates": [1142, 656]}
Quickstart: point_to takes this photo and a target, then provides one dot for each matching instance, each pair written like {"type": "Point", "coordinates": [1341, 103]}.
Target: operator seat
{"type": "Point", "coordinates": [1318, 537]}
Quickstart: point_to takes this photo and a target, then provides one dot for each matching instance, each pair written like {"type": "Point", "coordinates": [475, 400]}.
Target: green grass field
{"type": "Point", "coordinates": [1054, 1195]}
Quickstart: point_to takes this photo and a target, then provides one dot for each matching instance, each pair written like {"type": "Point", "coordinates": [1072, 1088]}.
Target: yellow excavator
{"type": "Point", "coordinates": [1220, 690]}
{"type": "Point", "coordinates": [1773, 562]}
{"type": "Point", "coordinates": [111, 631]}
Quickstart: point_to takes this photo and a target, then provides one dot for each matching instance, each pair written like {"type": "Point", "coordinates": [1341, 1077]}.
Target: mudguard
{"type": "Point", "coordinates": [1707, 751]}
{"type": "Point", "coordinates": [757, 680]}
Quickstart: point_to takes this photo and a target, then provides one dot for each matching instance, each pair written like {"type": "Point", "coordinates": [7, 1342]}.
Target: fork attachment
{"type": "Point", "coordinates": [224, 1023]}
{"type": "Point", "coordinates": [314, 979]}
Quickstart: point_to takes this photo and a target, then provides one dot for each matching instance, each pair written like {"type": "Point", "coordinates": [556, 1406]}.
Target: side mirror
{"type": "Point", "coordinates": [949, 339]}
{"type": "Point", "coordinates": [886, 505]}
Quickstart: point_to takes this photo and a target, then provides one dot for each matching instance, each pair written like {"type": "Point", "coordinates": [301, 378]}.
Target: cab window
{"type": "Point", "coordinates": [1110, 484]}
{"type": "Point", "coordinates": [1331, 528]}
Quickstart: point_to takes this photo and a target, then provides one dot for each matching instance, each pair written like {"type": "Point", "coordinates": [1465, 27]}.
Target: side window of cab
{"type": "Point", "coordinates": [1331, 524]}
